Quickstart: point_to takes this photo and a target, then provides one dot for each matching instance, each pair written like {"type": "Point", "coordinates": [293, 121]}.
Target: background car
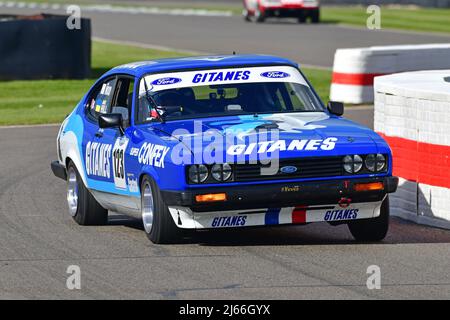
{"type": "Point", "coordinates": [259, 10]}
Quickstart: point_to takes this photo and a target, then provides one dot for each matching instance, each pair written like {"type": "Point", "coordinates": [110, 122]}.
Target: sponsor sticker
{"type": "Point", "coordinates": [97, 160]}
{"type": "Point", "coordinates": [221, 76]}
{"type": "Point", "coordinates": [152, 154]}
{"type": "Point", "coordinates": [233, 221]}
{"type": "Point", "coordinates": [343, 214]}
{"type": "Point", "coordinates": [166, 81]}
{"type": "Point", "coordinates": [275, 74]}
{"type": "Point", "coordinates": [282, 145]}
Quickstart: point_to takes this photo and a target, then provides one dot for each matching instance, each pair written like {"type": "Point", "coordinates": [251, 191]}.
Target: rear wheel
{"type": "Point", "coordinates": [158, 223]}
{"type": "Point", "coordinates": [374, 229]}
{"type": "Point", "coordinates": [83, 207]}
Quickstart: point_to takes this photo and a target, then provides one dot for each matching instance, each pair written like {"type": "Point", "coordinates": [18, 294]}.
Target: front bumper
{"type": "Point", "coordinates": [281, 194]}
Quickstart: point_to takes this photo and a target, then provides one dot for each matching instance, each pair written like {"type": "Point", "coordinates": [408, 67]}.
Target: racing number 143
{"type": "Point", "coordinates": [119, 162]}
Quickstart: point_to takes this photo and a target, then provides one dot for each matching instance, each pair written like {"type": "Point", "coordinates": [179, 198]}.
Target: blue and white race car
{"type": "Point", "coordinates": [217, 142]}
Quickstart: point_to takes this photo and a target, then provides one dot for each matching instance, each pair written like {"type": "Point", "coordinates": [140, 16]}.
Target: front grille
{"type": "Point", "coordinates": [311, 167]}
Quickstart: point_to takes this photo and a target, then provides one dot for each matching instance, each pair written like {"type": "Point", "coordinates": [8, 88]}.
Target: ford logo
{"type": "Point", "coordinates": [288, 169]}
{"type": "Point", "coordinates": [165, 81]}
{"type": "Point", "coordinates": [275, 74]}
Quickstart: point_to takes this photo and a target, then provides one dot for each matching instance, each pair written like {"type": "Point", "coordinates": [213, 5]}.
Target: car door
{"type": "Point", "coordinates": [97, 153]}
{"type": "Point", "coordinates": [119, 140]}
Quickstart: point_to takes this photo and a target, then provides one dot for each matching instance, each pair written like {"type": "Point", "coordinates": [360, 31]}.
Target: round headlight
{"type": "Point", "coordinates": [375, 162]}
{"type": "Point", "coordinates": [370, 162]}
{"type": "Point", "coordinates": [198, 173]}
{"type": "Point", "coordinates": [381, 162]}
{"type": "Point", "coordinates": [352, 164]}
{"type": "Point", "coordinates": [221, 172]}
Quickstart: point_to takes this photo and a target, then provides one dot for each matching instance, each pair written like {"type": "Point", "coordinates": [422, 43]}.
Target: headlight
{"type": "Point", "coordinates": [198, 173]}
{"type": "Point", "coordinates": [353, 164]}
{"type": "Point", "coordinates": [221, 172]}
{"type": "Point", "coordinates": [375, 162]}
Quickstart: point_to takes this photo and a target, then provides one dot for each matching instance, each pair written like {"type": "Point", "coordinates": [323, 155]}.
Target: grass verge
{"type": "Point", "coordinates": [49, 101]}
{"type": "Point", "coordinates": [404, 18]}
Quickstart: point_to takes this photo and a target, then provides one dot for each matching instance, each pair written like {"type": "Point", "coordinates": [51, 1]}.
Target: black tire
{"type": "Point", "coordinates": [88, 212]}
{"type": "Point", "coordinates": [259, 16]}
{"type": "Point", "coordinates": [301, 17]}
{"type": "Point", "coordinates": [375, 229]}
{"type": "Point", "coordinates": [163, 229]}
{"type": "Point", "coordinates": [315, 16]}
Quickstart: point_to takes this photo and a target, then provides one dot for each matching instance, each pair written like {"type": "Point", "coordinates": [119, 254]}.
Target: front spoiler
{"type": "Point", "coordinates": [59, 170]}
{"type": "Point", "coordinates": [185, 218]}
{"type": "Point", "coordinates": [280, 195]}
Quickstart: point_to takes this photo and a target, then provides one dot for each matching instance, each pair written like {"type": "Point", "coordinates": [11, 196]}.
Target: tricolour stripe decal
{"type": "Point", "coordinates": [272, 216]}
{"type": "Point", "coordinates": [357, 79]}
{"type": "Point", "coordinates": [299, 214]}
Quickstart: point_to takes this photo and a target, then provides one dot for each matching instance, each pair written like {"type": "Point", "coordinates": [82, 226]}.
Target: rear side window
{"type": "Point", "coordinates": [100, 102]}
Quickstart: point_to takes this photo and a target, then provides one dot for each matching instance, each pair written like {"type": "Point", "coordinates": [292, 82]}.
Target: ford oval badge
{"type": "Point", "coordinates": [275, 74]}
{"type": "Point", "coordinates": [165, 81]}
{"type": "Point", "coordinates": [288, 169]}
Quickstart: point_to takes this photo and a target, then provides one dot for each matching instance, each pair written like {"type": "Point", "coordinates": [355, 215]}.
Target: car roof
{"type": "Point", "coordinates": [141, 68]}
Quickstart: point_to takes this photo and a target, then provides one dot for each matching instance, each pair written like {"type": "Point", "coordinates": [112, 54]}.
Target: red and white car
{"type": "Point", "coordinates": [259, 10]}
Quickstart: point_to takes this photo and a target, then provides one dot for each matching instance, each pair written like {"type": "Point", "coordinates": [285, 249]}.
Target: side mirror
{"type": "Point", "coordinates": [111, 120]}
{"type": "Point", "coordinates": [336, 108]}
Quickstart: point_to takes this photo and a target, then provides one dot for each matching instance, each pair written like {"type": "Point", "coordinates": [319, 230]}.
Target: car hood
{"type": "Point", "coordinates": [296, 134]}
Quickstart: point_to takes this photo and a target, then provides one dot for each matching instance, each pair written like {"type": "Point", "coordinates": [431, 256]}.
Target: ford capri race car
{"type": "Point", "coordinates": [259, 10]}
{"type": "Point", "coordinates": [220, 142]}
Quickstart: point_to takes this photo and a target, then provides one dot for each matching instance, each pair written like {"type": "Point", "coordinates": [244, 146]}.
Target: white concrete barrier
{"type": "Point", "coordinates": [355, 69]}
{"type": "Point", "coordinates": [412, 112]}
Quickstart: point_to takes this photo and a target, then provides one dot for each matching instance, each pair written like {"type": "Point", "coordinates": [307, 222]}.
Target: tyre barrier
{"type": "Point", "coordinates": [412, 112]}
{"type": "Point", "coordinates": [355, 69]}
{"type": "Point", "coordinates": [43, 47]}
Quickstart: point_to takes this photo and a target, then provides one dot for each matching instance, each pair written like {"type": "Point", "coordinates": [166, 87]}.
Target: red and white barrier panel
{"type": "Point", "coordinates": [355, 69]}
{"type": "Point", "coordinates": [412, 112]}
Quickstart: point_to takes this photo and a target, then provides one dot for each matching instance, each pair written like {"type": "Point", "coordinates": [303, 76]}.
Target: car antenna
{"type": "Point", "coordinates": [153, 102]}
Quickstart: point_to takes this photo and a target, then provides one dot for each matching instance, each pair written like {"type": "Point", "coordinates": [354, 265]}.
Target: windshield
{"type": "Point", "coordinates": [268, 92]}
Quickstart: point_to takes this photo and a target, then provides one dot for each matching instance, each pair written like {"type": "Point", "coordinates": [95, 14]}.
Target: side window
{"type": "Point", "coordinates": [123, 100]}
{"type": "Point", "coordinates": [101, 100]}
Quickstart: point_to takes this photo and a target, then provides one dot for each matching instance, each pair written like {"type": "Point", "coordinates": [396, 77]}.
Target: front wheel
{"type": "Point", "coordinates": [246, 15]}
{"type": "Point", "coordinates": [158, 223]}
{"type": "Point", "coordinates": [259, 16]}
{"type": "Point", "coordinates": [375, 229]}
{"type": "Point", "coordinates": [83, 207]}
{"type": "Point", "coordinates": [315, 16]}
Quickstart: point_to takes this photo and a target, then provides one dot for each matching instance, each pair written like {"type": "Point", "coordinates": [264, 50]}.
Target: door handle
{"type": "Point", "coordinates": [99, 134]}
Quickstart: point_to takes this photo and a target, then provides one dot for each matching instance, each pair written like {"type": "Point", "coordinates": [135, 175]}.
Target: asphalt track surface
{"type": "Point", "coordinates": [38, 239]}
